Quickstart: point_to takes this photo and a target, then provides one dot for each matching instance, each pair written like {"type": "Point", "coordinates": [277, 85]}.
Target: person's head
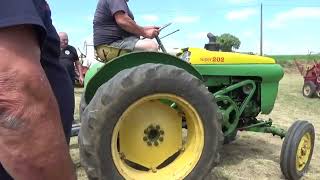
{"type": "Point", "coordinates": [63, 39]}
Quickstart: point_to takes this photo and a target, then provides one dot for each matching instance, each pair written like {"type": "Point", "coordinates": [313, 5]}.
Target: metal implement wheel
{"type": "Point", "coordinates": [297, 149]}
{"type": "Point", "coordinates": [318, 93]}
{"type": "Point", "coordinates": [309, 88]}
{"type": "Point", "coordinates": [130, 131]}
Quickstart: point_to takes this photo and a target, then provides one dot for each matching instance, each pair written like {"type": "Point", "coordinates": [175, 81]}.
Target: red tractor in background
{"type": "Point", "coordinates": [84, 69]}
{"type": "Point", "coordinates": [311, 75]}
{"type": "Point", "coordinates": [85, 61]}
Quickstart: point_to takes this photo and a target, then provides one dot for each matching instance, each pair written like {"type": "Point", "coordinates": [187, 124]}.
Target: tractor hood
{"type": "Point", "coordinates": [203, 56]}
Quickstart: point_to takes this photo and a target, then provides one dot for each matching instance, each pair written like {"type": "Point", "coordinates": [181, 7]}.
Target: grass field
{"type": "Point", "coordinates": [253, 155]}
{"type": "Point", "coordinates": [283, 58]}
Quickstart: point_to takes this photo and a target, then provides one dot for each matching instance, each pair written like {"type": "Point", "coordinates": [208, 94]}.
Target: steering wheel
{"type": "Point", "coordinates": [158, 38]}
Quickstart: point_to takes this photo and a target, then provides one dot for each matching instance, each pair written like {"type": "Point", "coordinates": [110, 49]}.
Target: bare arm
{"type": "Point", "coordinates": [126, 23]}
{"type": "Point", "coordinates": [79, 68]}
{"type": "Point", "coordinates": [32, 143]}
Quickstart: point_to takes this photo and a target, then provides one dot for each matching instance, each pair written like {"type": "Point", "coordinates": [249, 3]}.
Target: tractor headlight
{"type": "Point", "coordinates": [185, 56]}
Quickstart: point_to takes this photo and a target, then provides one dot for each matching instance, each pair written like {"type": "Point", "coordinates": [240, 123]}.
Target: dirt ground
{"type": "Point", "coordinates": [255, 155]}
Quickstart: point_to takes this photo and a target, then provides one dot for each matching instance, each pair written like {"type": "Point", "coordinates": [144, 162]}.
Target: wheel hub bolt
{"type": "Point", "coordinates": [153, 135]}
{"type": "Point", "coordinates": [154, 170]}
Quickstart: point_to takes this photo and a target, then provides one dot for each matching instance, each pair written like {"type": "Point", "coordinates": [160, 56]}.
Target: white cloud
{"type": "Point", "coordinates": [241, 14]}
{"type": "Point", "coordinates": [150, 18]}
{"type": "Point", "coordinates": [186, 19]}
{"type": "Point", "coordinates": [247, 34]}
{"type": "Point", "coordinates": [300, 13]}
{"type": "Point", "coordinates": [240, 1]}
{"type": "Point", "coordinates": [198, 36]}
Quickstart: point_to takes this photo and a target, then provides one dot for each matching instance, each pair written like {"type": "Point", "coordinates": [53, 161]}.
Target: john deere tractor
{"type": "Point", "coordinates": [155, 116]}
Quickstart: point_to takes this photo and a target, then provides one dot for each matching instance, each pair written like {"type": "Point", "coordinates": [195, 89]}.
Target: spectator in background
{"type": "Point", "coordinates": [69, 58]}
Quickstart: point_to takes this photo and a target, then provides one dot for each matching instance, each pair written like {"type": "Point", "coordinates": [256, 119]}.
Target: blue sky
{"type": "Point", "coordinates": [290, 26]}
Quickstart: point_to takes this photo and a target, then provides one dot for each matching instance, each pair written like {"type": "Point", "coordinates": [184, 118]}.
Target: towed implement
{"type": "Point", "coordinates": [311, 77]}
{"type": "Point", "coordinates": [151, 115]}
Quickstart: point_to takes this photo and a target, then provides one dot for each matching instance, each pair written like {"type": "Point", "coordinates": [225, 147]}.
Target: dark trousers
{"type": "Point", "coordinates": [63, 90]}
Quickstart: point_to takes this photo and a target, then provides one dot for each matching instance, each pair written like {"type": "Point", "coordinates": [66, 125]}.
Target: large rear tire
{"type": "Point", "coordinates": [132, 128]}
{"type": "Point", "coordinates": [82, 105]}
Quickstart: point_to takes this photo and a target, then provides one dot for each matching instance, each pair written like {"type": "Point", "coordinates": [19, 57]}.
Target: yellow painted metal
{"type": "Point", "coordinates": [303, 152]}
{"type": "Point", "coordinates": [132, 133]}
{"type": "Point", "coordinates": [148, 108]}
{"type": "Point", "coordinates": [203, 56]}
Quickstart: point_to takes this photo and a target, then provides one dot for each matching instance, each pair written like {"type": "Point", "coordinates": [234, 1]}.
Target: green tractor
{"type": "Point", "coordinates": [155, 116]}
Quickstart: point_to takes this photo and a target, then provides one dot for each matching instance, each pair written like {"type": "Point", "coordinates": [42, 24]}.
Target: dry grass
{"type": "Point", "coordinates": [256, 155]}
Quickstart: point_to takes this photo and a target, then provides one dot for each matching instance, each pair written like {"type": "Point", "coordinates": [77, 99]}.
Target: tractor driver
{"type": "Point", "coordinates": [114, 26]}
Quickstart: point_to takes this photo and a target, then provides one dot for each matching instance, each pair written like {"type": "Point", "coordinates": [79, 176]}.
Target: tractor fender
{"type": "Point", "coordinates": [100, 73]}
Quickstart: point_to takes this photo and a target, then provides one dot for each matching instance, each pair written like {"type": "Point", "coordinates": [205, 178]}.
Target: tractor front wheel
{"type": "Point", "coordinates": [132, 128]}
{"type": "Point", "coordinates": [297, 150]}
{"type": "Point", "coordinates": [309, 88]}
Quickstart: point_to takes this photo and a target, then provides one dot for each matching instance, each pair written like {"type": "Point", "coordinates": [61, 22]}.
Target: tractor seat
{"type": "Point", "coordinates": [106, 53]}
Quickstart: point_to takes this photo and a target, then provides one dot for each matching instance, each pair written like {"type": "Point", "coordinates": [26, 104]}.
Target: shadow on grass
{"type": "Point", "coordinates": [249, 147]}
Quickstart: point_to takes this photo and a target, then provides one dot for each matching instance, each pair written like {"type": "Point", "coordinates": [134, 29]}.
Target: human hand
{"type": "Point", "coordinates": [152, 27]}
{"type": "Point", "coordinates": [81, 80]}
{"type": "Point", "coordinates": [150, 32]}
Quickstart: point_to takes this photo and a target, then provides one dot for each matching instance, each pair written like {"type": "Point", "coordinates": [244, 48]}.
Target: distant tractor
{"type": "Point", "coordinates": [311, 76]}
{"type": "Point", "coordinates": [154, 116]}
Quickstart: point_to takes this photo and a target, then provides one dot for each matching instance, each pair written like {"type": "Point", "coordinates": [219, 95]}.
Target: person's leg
{"type": "Point", "coordinates": [4, 175]}
{"type": "Point", "coordinates": [146, 45]}
{"type": "Point", "coordinates": [136, 44]}
{"type": "Point", "coordinates": [63, 90]}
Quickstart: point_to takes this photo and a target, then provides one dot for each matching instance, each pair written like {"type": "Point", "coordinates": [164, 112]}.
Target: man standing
{"type": "Point", "coordinates": [69, 58]}
{"type": "Point", "coordinates": [33, 88]}
{"type": "Point", "coordinates": [114, 25]}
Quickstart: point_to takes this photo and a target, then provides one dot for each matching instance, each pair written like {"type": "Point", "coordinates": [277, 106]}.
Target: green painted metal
{"type": "Point", "coordinates": [270, 75]}
{"type": "Point", "coordinates": [92, 71]}
{"type": "Point", "coordinates": [265, 75]}
{"type": "Point", "coordinates": [229, 122]}
{"type": "Point", "coordinates": [217, 80]}
{"type": "Point", "coordinates": [236, 86]}
{"type": "Point", "coordinates": [265, 127]}
{"type": "Point", "coordinates": [98, 75]}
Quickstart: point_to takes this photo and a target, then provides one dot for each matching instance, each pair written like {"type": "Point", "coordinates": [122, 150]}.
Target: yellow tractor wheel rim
{"type": "Point", "coordinates": [303, 152]}
{"type": "Point", "coordinates": [135, 139]}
